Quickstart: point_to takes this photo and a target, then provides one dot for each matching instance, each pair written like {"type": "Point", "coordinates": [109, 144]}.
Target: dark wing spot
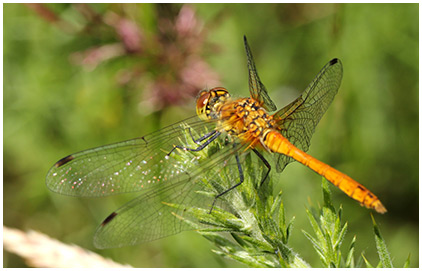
{"type": "Point", "coordinates": [63, 161]}
{"type": "Point", "coordinates": [333, 61]}
{"type": "Point", "coordinates": [108, 219]}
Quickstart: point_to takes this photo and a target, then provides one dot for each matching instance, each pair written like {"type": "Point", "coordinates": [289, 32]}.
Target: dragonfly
{"type": "Point", "coordinates": [166, 165]}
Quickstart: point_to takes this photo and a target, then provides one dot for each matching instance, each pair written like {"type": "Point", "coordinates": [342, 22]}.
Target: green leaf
{"type": "Point", "coordinates": [329, 251]}
{"type": "Point", "coordinates": [316, 245]}
{"type": "Point", "coordinates": [367, 262]}
{"type": "Point", "coordinates": [257, 225]}
{"type": "Point", "coordinates": [289, 229]}
{"type": "Point", "coordinates": [239, 240]}
{"type": "Point", "coordinates": [218, 239]}
{"type": "Point", "coordinates": [407, 262]}
{"type": "Point", "coordinates": [340, 236]}
{"type": "Point", "coordinates": [327, 195]}
{"type": "Point", "coordinates": [243, 257]}
{"type": "Point", "coordinates": [261, 245]}
{"type": "Point", "coordinates": [328, 230]}
{"type": "Point", "coordinates": [350, 257]}
{"type": "Point", "coordinates": [277, 203]}
{"type": "Point", "coordinates": [383, 253]}
{"type": "Point", "coordinates": [315, 225]}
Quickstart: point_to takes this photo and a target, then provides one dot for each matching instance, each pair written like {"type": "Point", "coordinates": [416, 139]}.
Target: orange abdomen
{"type": "Point", "coordinates": [279, 144]}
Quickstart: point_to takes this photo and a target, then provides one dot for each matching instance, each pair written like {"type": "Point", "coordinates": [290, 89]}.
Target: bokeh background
{"type": "Point", "coordinates": [78, 76]}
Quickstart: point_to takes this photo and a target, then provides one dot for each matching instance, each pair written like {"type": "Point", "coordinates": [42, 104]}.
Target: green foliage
{"type": "Point", "coordinates": [385, 260]}
{"type": "Point", "coordinates": [55, 105]}
{"type": "Point", "coordinates": [329, 232]}
{"type": "Point", "coordinates": [258, 232]}
{"type": "Point", "coordinates": [256, 223]}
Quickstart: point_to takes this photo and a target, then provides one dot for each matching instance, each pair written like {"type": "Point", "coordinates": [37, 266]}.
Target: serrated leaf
{"type": "Point", "coordinates": [288, 258]}
{"type": "Point", "coordinates": [337, 229]}
{"type": "Point", "coordinates": [326, 192]}
{"type": "Point", "coordinates": [315, 244]}
{"type": "Point", "coordinates": [276, 203]}
{"type": "Point", "coordinates": [263, 246]}
{"type": "Point", "coordinates": [315, 226]}
{"type": "Point", "coordinates": [289, 230]}
{"type": "Point", "coordinates": [218, 239]}
{"type": "Point", "coordinates": [329, 251]}
{"type": "Point", "coordinates": [299, 262]}
{"type": "Point", "coordinates": [239, 240]}
{"type": "Point", "coordinates": [383, 254]}
{"type": "Point", "coordinates": [328, 220]}
{"type": "Point", "coordinates": [213, 229]}
{"type": "Point", "coordinates": [340, 237]}
{"type": "Point", "coordinates": [350, 258]}
{"type": "Point", "coordinates": [246, 259]}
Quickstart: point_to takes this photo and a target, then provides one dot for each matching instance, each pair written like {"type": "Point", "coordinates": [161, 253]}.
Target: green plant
{"type": "Point", "coordinates": [249, 225]}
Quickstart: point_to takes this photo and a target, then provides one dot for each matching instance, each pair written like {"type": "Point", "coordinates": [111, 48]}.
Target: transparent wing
{"type": "Point", "coordinates": [142, 165]}
{"type": "Point", "coordinates": [297, 121]}
{"type": "Point", "coordinates": [148, 217]}
{"type": "Point", "coordinates": [127, 166]}
{"type": "Point", "coordinates": [256, 87]}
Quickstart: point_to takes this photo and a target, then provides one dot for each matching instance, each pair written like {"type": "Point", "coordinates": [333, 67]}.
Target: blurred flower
{"type": "Point", "coordinates": [186, 23]}
{"type": "Point", "coordinates": [170, 63]}
{"type": "Point", "coordinates": [184, 70]}
{"type": "Point", "coordinates": [90, 58]}
{"type": "Point", "coordinates": [129, 32]}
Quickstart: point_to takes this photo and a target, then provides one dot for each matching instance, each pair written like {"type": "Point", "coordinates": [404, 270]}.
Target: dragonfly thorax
{"type": "Point", "coordinates": [246, 119]}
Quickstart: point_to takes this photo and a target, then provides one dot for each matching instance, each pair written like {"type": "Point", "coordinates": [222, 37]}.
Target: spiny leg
{"type": "Point", "coordinates": [202, 138]}
{"type": "Point", "coordinates": [210, 136]}
{"type": "Point", "coordinates": [239, 167]}
{"type": "Point", "coordinates": [265, 163]}
{"type": "Point", "coordinates": [241, 177]}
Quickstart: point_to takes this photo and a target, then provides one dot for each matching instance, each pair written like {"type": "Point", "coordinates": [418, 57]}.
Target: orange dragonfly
{"type": "Point", "coordinates": [166, 166]}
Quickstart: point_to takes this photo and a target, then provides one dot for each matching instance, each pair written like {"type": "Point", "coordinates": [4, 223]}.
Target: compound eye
{"type": "Point", "coordinates": [202, 101]}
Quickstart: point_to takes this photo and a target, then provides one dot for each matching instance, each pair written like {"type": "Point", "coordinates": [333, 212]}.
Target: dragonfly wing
{"type": "Point", "coordinates": [297, 121]}
{"type": "Point", "coordinates": [256, 87]}
{"type": "Point", "coordinates": [128, 166]}
{"type": "Point", "coordinates": [149, 217]}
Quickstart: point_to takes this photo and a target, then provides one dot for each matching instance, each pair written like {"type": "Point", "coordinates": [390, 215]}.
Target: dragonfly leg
{"type": "Point", "coordinates": [202, 138]}
{"type": "Point", "coordinates": [239, 167]}
{"type": "Point", "coordinates": [265, 163]}
{"type": "Point", "coordinates": [211, 137]}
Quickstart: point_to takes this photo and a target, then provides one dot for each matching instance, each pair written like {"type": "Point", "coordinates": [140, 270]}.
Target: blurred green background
{"type": "Point", "coordinates": [78, 76]}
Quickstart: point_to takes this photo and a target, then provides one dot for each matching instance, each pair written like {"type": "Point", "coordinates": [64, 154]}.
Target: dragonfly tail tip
{"type": "Point", "coordinates": [380, 209]}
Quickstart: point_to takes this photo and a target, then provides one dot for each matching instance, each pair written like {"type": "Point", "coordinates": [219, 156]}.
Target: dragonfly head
{"type": "Point", "coordinates": [209, 101]}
